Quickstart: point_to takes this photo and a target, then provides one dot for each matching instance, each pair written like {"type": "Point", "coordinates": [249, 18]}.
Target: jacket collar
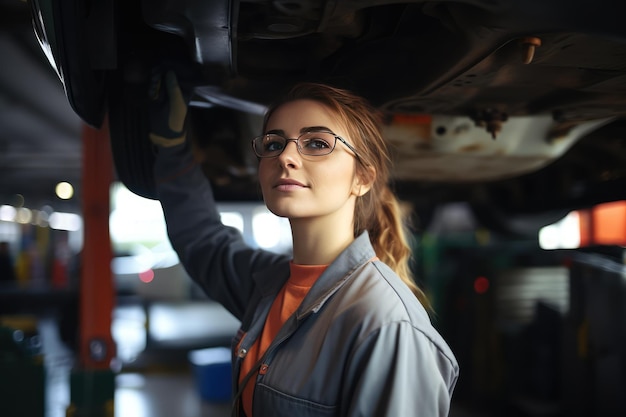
{"type": "Point", "coordinates": [359, 252]}
{"type": "Point", "coordinates": [337, 274]}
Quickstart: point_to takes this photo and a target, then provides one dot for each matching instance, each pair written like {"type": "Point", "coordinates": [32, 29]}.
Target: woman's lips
{"type": "Point", "coordinates": [288, 185]}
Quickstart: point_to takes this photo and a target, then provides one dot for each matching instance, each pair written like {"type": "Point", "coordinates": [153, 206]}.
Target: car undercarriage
{"type": "Point", "coordinates": [516, 108]}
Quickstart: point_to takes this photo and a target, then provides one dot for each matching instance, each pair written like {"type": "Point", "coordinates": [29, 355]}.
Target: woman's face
{"type": "Point", "coordinates": [299, 186]}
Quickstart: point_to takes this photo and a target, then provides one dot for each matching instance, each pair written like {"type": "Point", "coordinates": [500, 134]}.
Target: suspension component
{"type": "Point", "coordinates": [491, 120]}
{"type": "Point", "coordinates": [529, 46]}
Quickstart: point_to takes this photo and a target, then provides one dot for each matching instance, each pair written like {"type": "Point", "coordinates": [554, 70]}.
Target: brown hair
{"type": "Point", "coordinates": [377, 211]}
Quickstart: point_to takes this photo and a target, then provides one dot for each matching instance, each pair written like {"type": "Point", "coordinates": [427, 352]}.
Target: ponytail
{"type": "Point", "coordinates": [379, 213]}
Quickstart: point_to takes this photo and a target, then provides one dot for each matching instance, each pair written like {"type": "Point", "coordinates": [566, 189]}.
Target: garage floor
{"type": "Point", "coordinates": [161, 385]}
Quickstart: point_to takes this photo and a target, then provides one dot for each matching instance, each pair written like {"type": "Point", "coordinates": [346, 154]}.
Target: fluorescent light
{"type": "Point", "coordinates": [65, 221]}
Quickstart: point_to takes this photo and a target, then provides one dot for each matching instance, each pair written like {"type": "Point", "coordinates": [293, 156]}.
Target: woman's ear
{"type": "Point", "coordinates": [363, 181]}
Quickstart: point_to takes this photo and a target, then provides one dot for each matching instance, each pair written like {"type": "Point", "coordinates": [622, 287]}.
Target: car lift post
{"type": "Point", "coordinates": [92, 382]}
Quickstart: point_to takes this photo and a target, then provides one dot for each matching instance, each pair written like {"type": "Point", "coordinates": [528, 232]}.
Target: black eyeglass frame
{"type": "Point", "coordinates": [296, 140]}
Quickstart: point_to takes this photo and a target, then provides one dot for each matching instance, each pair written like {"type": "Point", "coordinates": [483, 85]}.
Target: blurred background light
{"type": "Point", "coordinates": [265, 227]}
{"type": "Point", "coordinates": [481, 285]}
{"type": "Point", "coordinates": [41, 218]}
{"type": "Point", "coordinates": [64, 190]}
{"type": "Point", "coordinates": [7, 213]}
{"type": "Point", "coordinates": [146, 276]}
{"type": "Point", "coordinates": [564, 234]}
{"type": "Point", "coordinates": [135, 218]}
{"type": "Point", "coordinates": [23, 215]}
{"type": "Point", "coordinates": [232, 219]}
{"type": "Point", "coordinates": [65, 221]}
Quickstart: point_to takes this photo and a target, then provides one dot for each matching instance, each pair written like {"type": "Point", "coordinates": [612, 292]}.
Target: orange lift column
{"type": "Point", "coordinates": [92, 383]}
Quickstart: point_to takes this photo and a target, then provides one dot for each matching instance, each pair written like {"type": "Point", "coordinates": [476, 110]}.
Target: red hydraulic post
{"type": "Point", "coordinates": [96, 289]}
{"type": "Point", "coordinates": [93, 382]}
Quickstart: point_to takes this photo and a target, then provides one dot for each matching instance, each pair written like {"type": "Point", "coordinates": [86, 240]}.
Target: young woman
{"type": "Point", "coordinates": [339, 328]}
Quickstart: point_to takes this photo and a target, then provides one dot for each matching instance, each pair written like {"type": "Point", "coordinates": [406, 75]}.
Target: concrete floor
{"type": "Point", "coordinates": [161, 385]}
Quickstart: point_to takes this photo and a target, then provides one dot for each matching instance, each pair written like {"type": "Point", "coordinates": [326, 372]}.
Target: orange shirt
{"type": "Point", "coordinates": [301, 279]}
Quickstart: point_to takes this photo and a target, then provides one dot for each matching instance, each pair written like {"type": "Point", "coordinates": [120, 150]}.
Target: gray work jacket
{"type": "Point", "coordinates": [360, 344]}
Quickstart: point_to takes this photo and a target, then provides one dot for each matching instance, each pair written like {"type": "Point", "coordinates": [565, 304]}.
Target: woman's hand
{"type": "Point", "coordinates": [168, 110]}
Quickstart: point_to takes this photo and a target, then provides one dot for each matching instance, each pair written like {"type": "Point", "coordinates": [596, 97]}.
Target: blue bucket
{"type": "Point", "coordinates": [212, 373]}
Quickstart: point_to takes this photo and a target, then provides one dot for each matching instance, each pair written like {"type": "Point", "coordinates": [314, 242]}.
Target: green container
{"type": "Point", "coordinates": [22, 375]}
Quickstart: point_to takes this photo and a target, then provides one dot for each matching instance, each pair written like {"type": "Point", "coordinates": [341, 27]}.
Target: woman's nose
{"type": "Point", "coordinates": [290, 155]}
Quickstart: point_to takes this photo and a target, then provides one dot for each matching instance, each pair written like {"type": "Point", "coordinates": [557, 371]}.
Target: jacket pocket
{"type": "Point", "coordinates": [271, 402]}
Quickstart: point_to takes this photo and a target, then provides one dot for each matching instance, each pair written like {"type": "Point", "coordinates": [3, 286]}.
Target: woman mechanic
{"type": "Point", "coordinates": [338, 328]}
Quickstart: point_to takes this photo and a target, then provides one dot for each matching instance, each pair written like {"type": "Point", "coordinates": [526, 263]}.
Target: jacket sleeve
{"type": "Point", "coordinates": [214, 255]}
{"type": "Point", "coordinates": [398, 371]}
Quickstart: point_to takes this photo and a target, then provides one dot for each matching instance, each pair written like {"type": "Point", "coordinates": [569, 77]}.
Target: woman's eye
{"type": "Point", "coordinates": [315, 143]}
{"type": "Point", "coordinates": [272, 145]}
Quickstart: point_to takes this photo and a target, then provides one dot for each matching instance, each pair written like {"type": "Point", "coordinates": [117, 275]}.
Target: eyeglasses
{"type": "Point", "coordinates": [312, 143]}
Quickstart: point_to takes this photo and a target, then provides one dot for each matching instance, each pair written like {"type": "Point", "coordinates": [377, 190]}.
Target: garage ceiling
{"type": "Point", "coordinates": [40, 143]}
